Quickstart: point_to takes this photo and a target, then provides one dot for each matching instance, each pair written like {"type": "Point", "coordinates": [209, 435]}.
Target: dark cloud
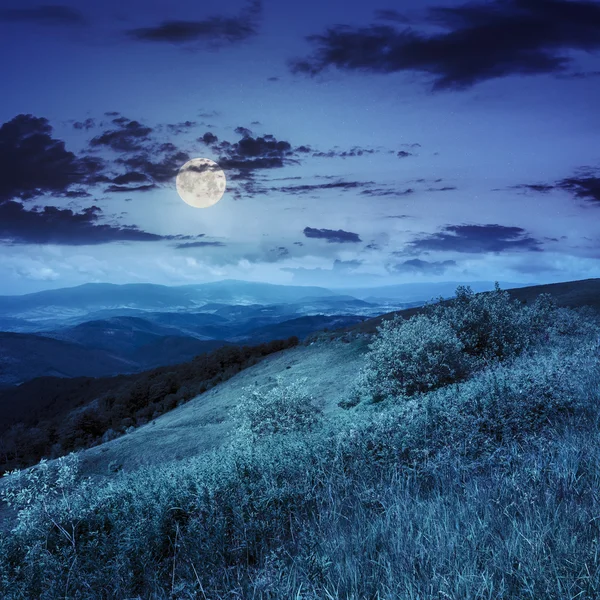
{"type": "Point", "coordinates": [416, 265]}
{"type": "Point", "coordinates": [208, 138]}
{"type": "Point", "coordinates": [535, 187]}
{"type": "Point", "coordinates": [131, 177]}
{"type": "Point", "coordinates": [280, 252]}
{"type": "Point", "coordinates": [339, 185]}
{"type": "Point", "coordinates": [136, 188]}
{"type": "Point", "coordinates": [398, 217]}
{"type": "Point", "coordinates": [52, 225]}
{"type": "Point", "coordinates": [446, 188]}
{"type": "Point", "coordinates": [354, 151]}
{"type": "Point", "coordinates": [213, 29]}
{"type": "Point", "coordinates": [32, 162]}
{"type": "Point", "coordinates": [158, 169]}
{"type": "Point", "coordinates": [131, 136]}
{"type": "Point", "coordinates": [243, 131]}
{"type": "Point", "coordinates": [339, 236]}
{"type": "Point", "coordinates": [243, 159]}
{"type": "Point", "coordinates": [476, 239]}
{"type": "Point", "coordinates": [179, 128]}
{"type": "Point", "coordinates": [403, 154]}
{"type": "Point", "coordinates": [198, 244]}
{"type": "Point", "coordinates": [48, 14]}
{"type": "Point", "coordinates": [384, 192]}
{"type": "Point", "coordinates": [87, 124]}
{"type": "Point", "coordinates": [585, 185]}
{"type": "Point", "coordinates": [482, 41]}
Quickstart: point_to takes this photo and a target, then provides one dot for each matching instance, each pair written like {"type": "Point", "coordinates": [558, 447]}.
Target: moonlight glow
{"type": "Point", "coordinates": [201, 182]}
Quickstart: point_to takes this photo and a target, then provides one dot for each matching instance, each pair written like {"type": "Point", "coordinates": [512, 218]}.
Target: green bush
{"type": "Point", "coordinates": [490, 325]}
{"type": "Point", "coordinates": [410, 357]}
{"type": "Point", "coordinates": [283, 409]}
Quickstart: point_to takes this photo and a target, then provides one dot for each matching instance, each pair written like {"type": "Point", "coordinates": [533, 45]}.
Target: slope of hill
{"type": "Point", "coordinates": [330, 368]}
{"type": "Point", "coordinates": [204, 422]}
{"type": "Point", "coordinates": [573, 294]}
{"type": "Point", "coordinates": [24, 356]}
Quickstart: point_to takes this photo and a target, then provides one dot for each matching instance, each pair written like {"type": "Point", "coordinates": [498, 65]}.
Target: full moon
{"type": "Point", "coordinates": [201, 182]}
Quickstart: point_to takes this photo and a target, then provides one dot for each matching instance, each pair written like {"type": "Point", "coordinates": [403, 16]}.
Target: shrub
{"type": "Point", "coordinates": [409, 357]}
{"type": "Point", "coordinates": [490, 325]}
{"type": "Point", "coordinates": [283, 409]}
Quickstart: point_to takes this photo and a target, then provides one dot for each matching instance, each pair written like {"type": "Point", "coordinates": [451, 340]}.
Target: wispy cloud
{"type": "Point", "coordinates": [339, 236]}
{"type": "Point", "coordinates": [475, 239]}
{"type": "Point", "coordinates": [46, 14]}
{"type": "Point", "coordinates": [482, 41]}
{"type": "Point", "coordinates": [212, 29]}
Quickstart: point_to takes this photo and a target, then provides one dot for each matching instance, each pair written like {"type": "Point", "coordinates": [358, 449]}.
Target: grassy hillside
{"type": "Point", "coordinates": [49, 417]}
{"type": "Point", "coordinates": [571, 294]}
{"type": "Point", "coordinates": [455, 456]}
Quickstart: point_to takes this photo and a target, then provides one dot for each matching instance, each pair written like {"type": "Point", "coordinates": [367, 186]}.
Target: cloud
{"type": "Point", "coordinates": [416, 265]}
{"type": "Point", "coordinates": [354, 151]}
{"type": "Point", "coordinates": [32, 162]}
{"type": "Point", "coordinates": [179, 128]}
{"type": "Point", "coordinates": [339, 236]}
{"type": "Point", "coordinates": [446, 188]}
{"type": "Point", "coordinates": [476, 239]}
{"type": "Point", "coordinates": [158, 169]}
{"type": "Point", "coordinates": [482, 41]}
{"type": "Point", "coordinates": [87, 124]}
{"type": "Point", "coordinates": [130, 136]}
{"type": "Point", "coordinates": [46, 14]}
{"type": "Point", "coordinates": [52, 225]}
{"type": "Point", "coordinates": [208, 138]}
{"type": "Point", "coordinates": [213, 29]}
{"type": "Point", "coordinates": [585, 185]}
{"type": "Point", "coordinates": [384, 192]}
{"type": "Point", "coordinates": [306, 188]}
{"type": "Point", "coordinates": [198, 244]}
{"type": "Point", "coordinates": [135, 188]}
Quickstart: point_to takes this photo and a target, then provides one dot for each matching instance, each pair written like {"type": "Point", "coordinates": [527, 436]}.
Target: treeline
{"type": "Point", "coordinates": [51, 417]}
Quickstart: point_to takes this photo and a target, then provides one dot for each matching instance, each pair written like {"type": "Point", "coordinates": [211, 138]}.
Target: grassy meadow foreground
{"type": "Point", "coordinates": [462, 461]}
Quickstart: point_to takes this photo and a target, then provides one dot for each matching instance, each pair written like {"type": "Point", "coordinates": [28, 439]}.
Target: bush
{"type": "Point", "coordinates": [490, 325]}
{"type": "Point", "coordinates": [283, 409]}
{"type": "Point", "coordinates": [410, 357]}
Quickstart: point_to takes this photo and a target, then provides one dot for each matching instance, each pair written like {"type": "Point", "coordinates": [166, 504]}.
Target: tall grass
{"type": "Point", "coordinates": [485, 487]}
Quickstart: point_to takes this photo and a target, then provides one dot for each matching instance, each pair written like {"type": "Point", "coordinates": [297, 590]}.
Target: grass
{"type": "Point", "coordinates": [483, 488]}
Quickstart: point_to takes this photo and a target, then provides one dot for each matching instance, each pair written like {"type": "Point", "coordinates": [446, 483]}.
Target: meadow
{"type": "Point", "coordinates": [464, 463]}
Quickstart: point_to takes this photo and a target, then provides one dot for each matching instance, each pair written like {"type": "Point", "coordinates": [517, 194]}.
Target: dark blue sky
{"type": "Point", "coordinates": [363, 143]}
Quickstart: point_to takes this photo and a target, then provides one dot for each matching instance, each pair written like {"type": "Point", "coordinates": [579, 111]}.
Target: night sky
{"type": "Point", "coordinates": [364, 143]}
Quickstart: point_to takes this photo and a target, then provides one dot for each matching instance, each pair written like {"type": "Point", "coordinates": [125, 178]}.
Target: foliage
{"type": "Point", "coordinates": [283, 409]}
{"type": "Point", "coordinates": [84, 412]}
{"type": "Point", "coordinates": [412, 356]}
{"type": "Point", "coordinates": [481, 487]}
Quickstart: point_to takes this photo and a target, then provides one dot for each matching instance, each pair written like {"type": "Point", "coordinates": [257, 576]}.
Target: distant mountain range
{"type": "Point", "coordinates": [101, 329]}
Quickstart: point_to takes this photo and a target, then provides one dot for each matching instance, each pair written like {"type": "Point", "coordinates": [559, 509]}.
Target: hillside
{"type": "Point", "coordinates": [500, 460]}
{"type": "Point", "coordinates": [25, 356]}
{"type": "Point", "coordinates": [573, 294]}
